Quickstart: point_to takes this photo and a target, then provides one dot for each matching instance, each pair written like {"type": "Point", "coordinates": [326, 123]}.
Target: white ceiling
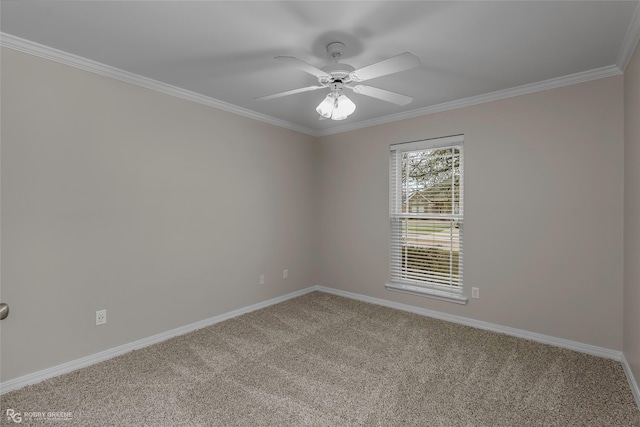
{"type": "Point", "coordinates": [223, 50]}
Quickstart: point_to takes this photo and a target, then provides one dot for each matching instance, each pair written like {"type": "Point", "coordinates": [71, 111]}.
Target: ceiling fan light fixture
{"type": "Point", "coordinates": [344, 108]}
{"type": "Point", "coordinates": [336, 106]}
{"type": "Point", "coordinates": [337, 76]}
{"type": "Point", "coordinates": [325, 108]}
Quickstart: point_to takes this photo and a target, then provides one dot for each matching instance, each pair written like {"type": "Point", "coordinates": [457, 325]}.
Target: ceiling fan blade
{"type": "Point", "coordinates": [395, 64]}
{"type": "Point", "coordinates": [290, 92]}
{"type": "Point", "coordinates": [300, 64]}
{"type": "Point", "coordinates": [382, 94]}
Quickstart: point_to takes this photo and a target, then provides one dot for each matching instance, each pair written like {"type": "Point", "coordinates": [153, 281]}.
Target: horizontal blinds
{"type": "Point", "coordinates": [426, 210]}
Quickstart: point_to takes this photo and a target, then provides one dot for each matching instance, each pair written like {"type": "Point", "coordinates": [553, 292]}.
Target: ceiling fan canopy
{"type": "Point", "coordinates": [337, 76]}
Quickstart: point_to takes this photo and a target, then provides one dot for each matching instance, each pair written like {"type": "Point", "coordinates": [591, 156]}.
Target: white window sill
{"type": "Point", "coordinates": [455, 297]}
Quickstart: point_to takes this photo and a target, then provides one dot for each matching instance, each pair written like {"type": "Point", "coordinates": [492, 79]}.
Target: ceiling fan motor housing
{"type": "Point", "coordinates": [336, 72]}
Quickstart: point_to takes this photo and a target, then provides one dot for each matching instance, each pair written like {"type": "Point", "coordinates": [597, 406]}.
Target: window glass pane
{"type": "Point", "coordinates": [426, 183]}
{"type": "Point", "coordinates": [431, 181]}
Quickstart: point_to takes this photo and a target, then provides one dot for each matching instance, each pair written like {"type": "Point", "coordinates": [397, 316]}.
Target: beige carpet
{"type": "Point", "coordinates": [324, 360]}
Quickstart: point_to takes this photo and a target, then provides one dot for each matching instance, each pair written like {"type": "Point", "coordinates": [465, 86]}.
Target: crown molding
{"type": "Point", "coordinates": [46, 52]}
{"type": "Point", "coordinates": [554, 83]}
{"type": "Point", "coordinates": [630, 41]}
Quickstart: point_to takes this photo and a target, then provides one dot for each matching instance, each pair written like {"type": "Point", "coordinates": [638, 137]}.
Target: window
{"type": "Point", "coordinates": [427, 218]}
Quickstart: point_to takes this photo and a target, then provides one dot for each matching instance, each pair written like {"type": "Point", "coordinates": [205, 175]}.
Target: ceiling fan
{"type": "Point", "coordinates": [337, 77]}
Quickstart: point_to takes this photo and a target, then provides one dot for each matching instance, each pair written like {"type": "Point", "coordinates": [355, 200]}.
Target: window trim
{"type": "Point", "coordinates": [430, 292]}
{"type": "Point", "coordinates": [434, 291]}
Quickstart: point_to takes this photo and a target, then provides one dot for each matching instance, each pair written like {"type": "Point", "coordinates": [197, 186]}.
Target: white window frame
{"type": "Point", "coordinates": [400, 278]}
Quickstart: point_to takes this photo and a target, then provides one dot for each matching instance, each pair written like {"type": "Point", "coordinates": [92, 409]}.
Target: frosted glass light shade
{"type": "Point", "coordinates": [344, 109]}
{"type": "Point", "coordinates": [326, 107]}
{"type": "Point", "coordinates": [336, 108]}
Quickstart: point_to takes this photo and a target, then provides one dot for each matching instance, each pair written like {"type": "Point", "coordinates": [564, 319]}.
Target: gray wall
{"type": "Point", "coordinates": [543, 210]}
{"type": "Point", "coordinates": [632, 214]}
{"type": "Point", "coordinates": [160, 210]}
{"type": "Point", "coordinates": [165, 212]}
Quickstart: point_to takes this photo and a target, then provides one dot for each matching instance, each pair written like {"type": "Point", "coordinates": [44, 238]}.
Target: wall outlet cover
{"type": "Point", "coordinates": [101, 317]}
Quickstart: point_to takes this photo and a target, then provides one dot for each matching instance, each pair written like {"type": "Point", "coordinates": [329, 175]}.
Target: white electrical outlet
{"type": "Point", "coordinates": [262, 279]}
{"type": "Point", "coordinates": [285, 274]}
{"type": "Point", "coordinates": [475, 293]}
{"type": "Point", "coordinates": [101, 317]}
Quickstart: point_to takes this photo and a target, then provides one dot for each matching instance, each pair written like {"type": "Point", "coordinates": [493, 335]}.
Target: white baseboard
{"type": "Point", "coordinates": [632, 381]}
{"type": "Point", "coordinates": [83, 362]}
{"type": "Point", "coordinates": [64, 368]}
{"type": "Point", "coordinates": [520, 333]}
